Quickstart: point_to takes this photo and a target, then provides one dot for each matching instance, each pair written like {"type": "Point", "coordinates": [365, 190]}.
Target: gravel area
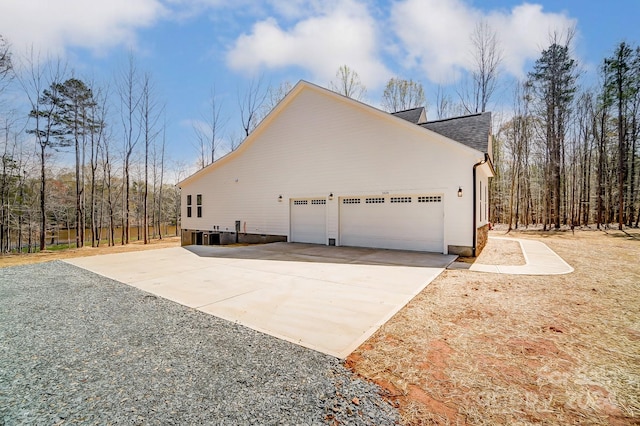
{"type": "Point", "coordinates": [78, 348]}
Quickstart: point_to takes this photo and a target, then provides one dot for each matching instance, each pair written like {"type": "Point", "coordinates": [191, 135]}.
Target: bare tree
{"type": "Point", "coordinates": [400, 95]}
{"type": "Point", "coordinates": [130, 100]}
{"type": "Point", "coordinates": [520, 135]}
{"type": "Point", "coordinates": [275, 95]}
{"type": "Point", "coordinates": [250, 105]}
{"type": "Point", "coordinates": [97, 144]}
{"type": "Point", "coordinates": [486, 57]}
{"type": "Point", "coordinates": [209, 131]}
{"type": "Point", "coordinates": [158, 194]}
{"type": "Point", "coordinates": [234, 140]}
{"type": "Point", "coordinates": [348, 83]}
{"type": "Point", "coordinates": [6, 64]}
{"type": "Point", "coordinates": [150, 114]}
{"type": "Point", "coordinates": [443, 104]}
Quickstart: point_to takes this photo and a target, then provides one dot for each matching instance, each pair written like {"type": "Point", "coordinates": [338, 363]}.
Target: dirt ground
{"type": "Point", "coordinates": [45, 256]}
{"type": "Point", "coordinates": [480, 348]}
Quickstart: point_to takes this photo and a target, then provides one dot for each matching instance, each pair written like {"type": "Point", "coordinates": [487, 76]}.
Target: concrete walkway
{"type": "Point", "coordinates": [539, 258]}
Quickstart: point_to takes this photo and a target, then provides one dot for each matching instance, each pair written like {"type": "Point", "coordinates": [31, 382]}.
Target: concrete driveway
{"type": "Point", "coordinates": [330, 299]}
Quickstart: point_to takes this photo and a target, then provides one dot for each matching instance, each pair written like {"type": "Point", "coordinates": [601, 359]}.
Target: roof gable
{"type": "Point", "coordinates": [413, 115]}
{"type": "Point", "coordinates": [417, 123]}
{"type": "Point", "coordinates": [471, 130]}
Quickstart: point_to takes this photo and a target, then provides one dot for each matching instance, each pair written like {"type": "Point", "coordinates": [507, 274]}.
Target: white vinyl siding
{"type": "Point", "coordinates": [321, 144]}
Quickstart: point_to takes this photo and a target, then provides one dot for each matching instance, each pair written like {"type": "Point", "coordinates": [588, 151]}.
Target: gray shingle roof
{"type": "Point", "coordinates": [412, 115]}
{"type": "Point", "coordinates": [472, 130]}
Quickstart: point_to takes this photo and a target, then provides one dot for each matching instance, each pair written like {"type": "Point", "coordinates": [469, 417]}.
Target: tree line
{"type": "Point", "coordinates": [565, 154]}
{"type": "Point", "coordinates": [569, 155]}
{"type": "Point", "coordinates": [98, 168]}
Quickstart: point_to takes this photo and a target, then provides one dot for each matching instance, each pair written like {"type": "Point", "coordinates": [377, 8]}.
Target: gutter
{"type": "Point", "coordinates": [475, 213]}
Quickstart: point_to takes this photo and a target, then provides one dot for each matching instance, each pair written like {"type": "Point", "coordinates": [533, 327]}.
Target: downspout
{"type": "Point", "coordinates": [475, 212]}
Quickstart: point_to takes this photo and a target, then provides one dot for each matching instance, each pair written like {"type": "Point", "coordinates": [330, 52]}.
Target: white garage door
{"type": "Point", "coordinates": [411, 222]}
{"type": "Point", "coordinates": [308, 221]}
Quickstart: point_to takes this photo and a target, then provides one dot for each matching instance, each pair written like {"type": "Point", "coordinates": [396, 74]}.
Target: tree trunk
{"type": "Point", "coordinates": [43, 213]}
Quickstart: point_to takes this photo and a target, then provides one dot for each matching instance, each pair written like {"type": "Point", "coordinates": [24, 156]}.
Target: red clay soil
{"type": "Point", "coordinates": [479, 348]}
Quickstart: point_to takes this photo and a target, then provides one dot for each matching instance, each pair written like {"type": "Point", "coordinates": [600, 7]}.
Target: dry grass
{"type": "Point", "coordinates": [479, 348]}
{"type": "Point", "coordinates": [501, 252]}
{"type": "Point", "coordinates": [45, 256]}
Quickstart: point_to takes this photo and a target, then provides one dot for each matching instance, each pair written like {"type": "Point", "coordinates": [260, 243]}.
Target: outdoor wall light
{"type": "Point", "coordinates": [280, 198]}
{"type": "Point", "coordinates": [459, 191]}
{"type": "Point", "coordinates": [331, 195]}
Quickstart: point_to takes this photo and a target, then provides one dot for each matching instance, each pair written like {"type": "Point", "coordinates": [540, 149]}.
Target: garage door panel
{"type": "Point", "coordinates": [308, 221]}
{"type": "Point", "coordinates": [412, 222]}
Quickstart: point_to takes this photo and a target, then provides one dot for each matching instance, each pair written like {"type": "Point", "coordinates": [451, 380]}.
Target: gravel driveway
{"type": "Point", "coordinates": [78, 348]}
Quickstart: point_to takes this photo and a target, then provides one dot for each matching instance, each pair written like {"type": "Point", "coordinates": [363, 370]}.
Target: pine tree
{"type": "Point", "coordinates": [554, 81]}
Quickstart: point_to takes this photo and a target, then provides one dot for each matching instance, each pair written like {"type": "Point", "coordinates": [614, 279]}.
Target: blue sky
{"type": "Point", "coordinates": [189, 46]}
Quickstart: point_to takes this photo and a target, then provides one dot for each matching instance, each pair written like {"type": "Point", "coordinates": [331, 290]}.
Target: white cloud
{"type": "Point", "coordinates": [53, 26]}
{"type": "Point", "coordinates": [342, 32]}
{"type": "Point", "coordinates": [435, 34]}
{"type": "Point", "coordinates": [525, 32]}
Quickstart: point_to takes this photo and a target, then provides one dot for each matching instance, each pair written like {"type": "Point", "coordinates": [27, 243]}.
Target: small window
{"type": "Point", "coordinates": [188, 211]}
{"type": "Point", "coordinates": [374, 200]}
{"type": "Point", "coordinates": [430, 199]}
{"type": "Point", "coordinates": [400, 199]}
{"type": "Point", "coordinates": [199, 199]}
{"type": "Point", "coordinates": [300, 202]}
{"type": "Point", "coordinates": [188, 200]}
{"type": "Point", "coordinates": [351, 201]}
{"type": "Point", "coordinates": [318, 201]}
{"type": "Point", "coordinates": [199, 211]}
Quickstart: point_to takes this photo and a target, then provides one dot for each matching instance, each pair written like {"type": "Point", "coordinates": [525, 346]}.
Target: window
{"type": "Point", "coordinates": [400, 199]}
{"type": "Point", "coordinates": [299, 202]}
{"type": "Point", "coordinates": [430, 199]}
{"type": "Point", "coordinates": [351, 201]}
{"type": "Point", "coordinates": [318, 201]}
{"type": "Point", "coordinates": [199, 211]}
{"type": "Point", "coordinates": [188, 211]}
{"type": "Point", "coordinates": [199, 203]}
{"type": "Point", "coordinates": [481, 206]}
{"type": "Point", "coordinates": [374, 200]}
{"type": "Point", "coordinates": [486, 201]}
{"type": "Point", "coordinates": [188, 200]}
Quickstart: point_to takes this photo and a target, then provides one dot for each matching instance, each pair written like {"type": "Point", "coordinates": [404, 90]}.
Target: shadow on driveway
{"type": "Point", "coordinates": [299, 252]}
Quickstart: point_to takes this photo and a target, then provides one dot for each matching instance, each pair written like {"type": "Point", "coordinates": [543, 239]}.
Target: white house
{"type": "Point", "coordinates": [326, 169]}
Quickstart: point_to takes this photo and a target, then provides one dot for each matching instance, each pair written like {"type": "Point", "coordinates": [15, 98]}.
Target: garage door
{"type": "Point", "coordinates": [411, 222]}
{"type": "Point", "coordinates": [308, 221]}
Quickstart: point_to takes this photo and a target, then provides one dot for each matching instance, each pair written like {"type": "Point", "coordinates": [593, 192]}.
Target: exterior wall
{"type": "Point", "coordinates": [318, 145]}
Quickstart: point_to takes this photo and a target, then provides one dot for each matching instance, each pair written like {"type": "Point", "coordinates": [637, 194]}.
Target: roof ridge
{"type": "Point", "coordinates": [406, 110]}
{"type": "Point", "coordinates": [457, 117]}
